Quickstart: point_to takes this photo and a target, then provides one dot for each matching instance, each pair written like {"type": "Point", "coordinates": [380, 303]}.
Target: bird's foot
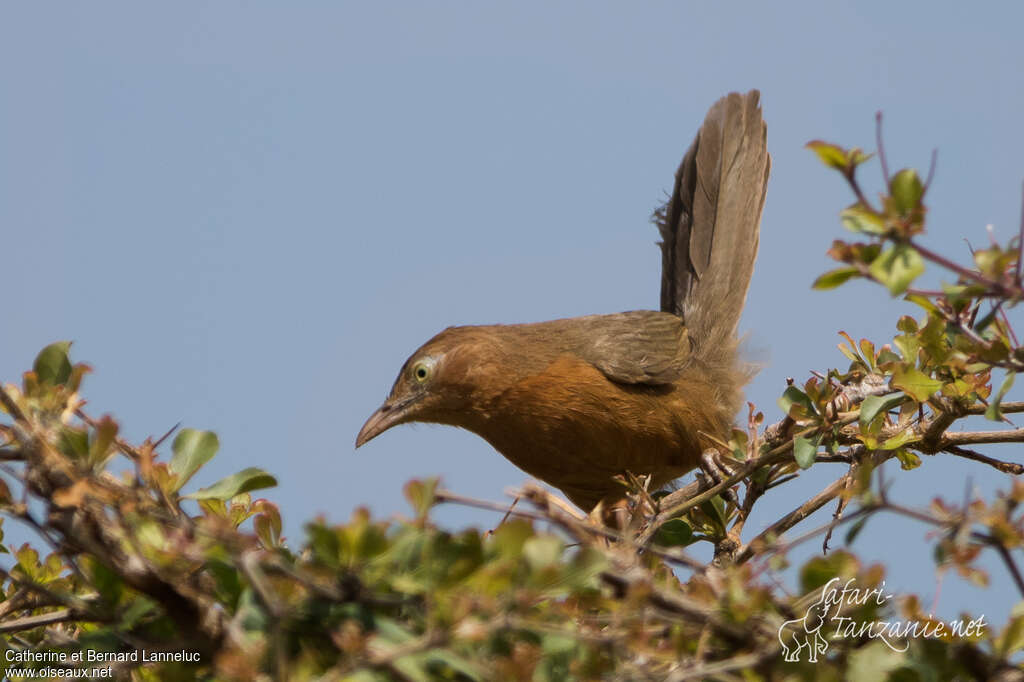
{"type": "Point", "coordinates": [714, 468]}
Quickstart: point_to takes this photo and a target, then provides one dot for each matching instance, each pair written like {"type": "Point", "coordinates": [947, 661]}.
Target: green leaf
{"type": "Point", "coordinates": [994, 261]}
{"type": "Point", "coordinates": [267, 523]}
{"type": "Point", "coordinates": [855, 529]}
{"type": "Point", "coordinates": [994, 412]}
{"type": "Point", "coordinates": [876, 661]}
{"type": "Point", "coordinates": [819, 570]}
{"type": "Point", "coordinates": [455, 662]}
{"type": "Point", "coordinates": [542, 551]}
{"type": "Point", "coordinates": [108, 584]}
{"type": "Point", "coordinates": [832, 155]}
{"type": "Point", "coordinates": [1011, 639]}
{"type": "Point", "coordinates": [794, 396]}
{"type": "Point", "coordinates": [510, 536]}
{"type": "Point", "coordinates": [845, 350]}
{"type": "Point", "coordinates": [28, 560]}
{"type": "Point", "coordinates": [886, 357]}
{"type": "Point", "coordinates": [420, 494]}
{"type": "Point", "coordinates": [897, 267]}
{"type": "Point", "coordinates": [804, 451]}
{"type": "Point", "coordinates": [924, 302]}
{"type": "Point", "coordinates": [906, 190]}
{"type": "Point", "coordinates": [714, 510]}
{"type": "Point", "coordinates": [908, 345]}
{"type": "Point", "coordinates": [907, 324]}
{"type": "Point", "coordinates": [674, 533]}
{"type": "Point", "coordinates": [899, 440]}
{"type": "Point", "coordinates": [867, 351]}
{"type": "Point", "coordinates": [252, 478]}
{"type": "Point", "coordinates": [833, 278]}
{"type": "Point", "coordinates": [73, 442]}
{"type": "Point", "coordinates": [862, 220]}
{"type": "Point", "coordinates": [908, 460]}
{"type": "Point", "coordinates": [874, 405]}
{"type": "Point", "coordinates": [52, 365]}
{"type": "Point", "coordinates": [103, 438]}
{"type": "Point", "coordinates": [915, 383]}
{"type": "Point", "coordinates": [857, 157]}
{"type": "Point", "coordinates": [137, 611]}
{"type": "Point", "coordinates": [192, 449]}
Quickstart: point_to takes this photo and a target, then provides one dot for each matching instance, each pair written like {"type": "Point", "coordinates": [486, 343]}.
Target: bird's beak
{"type": "Point", "coordinates": [389, 414]}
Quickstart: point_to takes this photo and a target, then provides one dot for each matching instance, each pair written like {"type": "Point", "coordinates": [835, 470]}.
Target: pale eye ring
{"type": "Point", "coordinates": [422, 370]}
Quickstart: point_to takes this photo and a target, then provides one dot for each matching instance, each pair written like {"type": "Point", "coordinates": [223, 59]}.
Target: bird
{"type": "Point", "coordinates": [579, 402]}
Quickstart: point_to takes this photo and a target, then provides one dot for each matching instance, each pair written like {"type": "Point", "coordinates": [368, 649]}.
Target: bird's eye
{"type": "Point", "coordinates": [422, 370]}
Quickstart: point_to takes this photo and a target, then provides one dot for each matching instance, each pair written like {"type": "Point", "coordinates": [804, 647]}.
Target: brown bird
{"type": "Point", "coordinates": [576, 402]}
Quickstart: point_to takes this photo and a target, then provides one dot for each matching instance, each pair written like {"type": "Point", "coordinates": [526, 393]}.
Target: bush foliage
{"type": "Point", "coordinates": [134, 578]}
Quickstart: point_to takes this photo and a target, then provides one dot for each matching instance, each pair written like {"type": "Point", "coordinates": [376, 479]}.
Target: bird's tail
{"type": "Point", "coordinates": [709, 230]}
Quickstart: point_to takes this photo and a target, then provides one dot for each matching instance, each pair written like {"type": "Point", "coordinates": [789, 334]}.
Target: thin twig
{"type": "Point", "coordinates": [454, 498]}
{"type": "Point", "coordinates": [11, 406]}
{"type": "Point", "coordinates": [851, 179]}
{"type": "Point", "coordinates": [1011, 565]}
{"type": "Point", "coordinates": [1006, 321]}
{"type": "Point", "coordinates": [1020, 241]}
{"type": "Point", "coordinates": [1008, 407]}
{"type": "Point", "coordinates": [997, 287]}
{"type": "Point", "coordinates": [777, 454]}
{"type": "Point", "coordinates": [983, 538]}
{"type": "Point", "coordinates": [881, 147]}
{"type": "Point", "coordinates": [162, 438]}
{"type": "Point", "coordinates": [576, 527]}
{"type": "Point", "coordinates": [932, 165]}
{"type": "Point", "coordinates": [571, 523]}
{"type": "Point", "coordinates": [706, 671]}
{"type": "Point", "coordinates": [43, 619]}
{"type": "Point", "coordinates": [836, 516]}
{"type": "Point", "coordinates": [800, 513]}
{"type": "Point", "coordinates": [800, 539]}
{"type": "Point", "coordinates": [1005, 467]}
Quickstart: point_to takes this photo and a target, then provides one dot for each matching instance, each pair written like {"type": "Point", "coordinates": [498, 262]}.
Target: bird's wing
{"type": "Point", "coordinates": [639, 347]}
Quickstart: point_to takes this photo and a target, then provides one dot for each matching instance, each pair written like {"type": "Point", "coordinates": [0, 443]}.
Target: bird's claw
{"type": "Point", "coordinates": [713, 470]}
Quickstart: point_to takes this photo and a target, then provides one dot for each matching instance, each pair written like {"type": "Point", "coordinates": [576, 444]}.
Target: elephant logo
{"type": "Point", "coordinates": [805, 632]}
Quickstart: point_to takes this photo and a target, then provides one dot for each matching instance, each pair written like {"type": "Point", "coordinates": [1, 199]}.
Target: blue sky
{"type": "Point", "coordinates": [247, 215]}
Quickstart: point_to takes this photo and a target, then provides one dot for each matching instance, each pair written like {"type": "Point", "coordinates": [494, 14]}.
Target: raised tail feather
{"type": "Point", "coordinates": [709, 228]}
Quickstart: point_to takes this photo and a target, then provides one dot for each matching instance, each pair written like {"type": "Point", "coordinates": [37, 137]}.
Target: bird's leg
{"type": "Point", "coordinates": [714, 470]}
{"type": "Point", "coordinates": [630, 508]}
{"type": "Point", "coordinates": [611, 513]}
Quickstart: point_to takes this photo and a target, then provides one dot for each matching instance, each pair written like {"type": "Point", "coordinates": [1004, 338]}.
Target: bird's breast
{"type": "Point", "coordinates": [572, 427]}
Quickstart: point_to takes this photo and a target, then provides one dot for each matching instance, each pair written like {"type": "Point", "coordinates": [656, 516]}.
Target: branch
{"type": "Point", "coordinates": [576, 528]}
{"type": "Point", "coordinates": [10, 406]}
{"type": "Point", "coordinates": [983, 538]}
{"type": "Point", "coordinates": [969, 437]}
{"type": "Point", "coordinates": [1005, 467]}
{"type": "Point", "coordinates": [812, 505]}
{"type": "Point", "coordinates": [707, 671]}
{"type": "Point", "coordinates": [1011, 565]}
{"type": "Point", "coordinates": [935, 427]}
{"type": "Point", "coordinates": [1020, 244]}
{"type": "Point", "coordinates": [997, 287]}
{"type": "Point", "coordinates": [881, 147]}
{"type": "Point", "coordinates": [1008, 407]}
{"type": "Point", "coordinates": [671, 508]}
{"type": "Point", "coordinates": [677, 604]}
{"type": "Point", "coordinates": [52, 618]}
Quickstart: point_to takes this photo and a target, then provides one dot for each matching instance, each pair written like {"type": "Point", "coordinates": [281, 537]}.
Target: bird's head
{"type": "Point", "coordinates": [439, 383]}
